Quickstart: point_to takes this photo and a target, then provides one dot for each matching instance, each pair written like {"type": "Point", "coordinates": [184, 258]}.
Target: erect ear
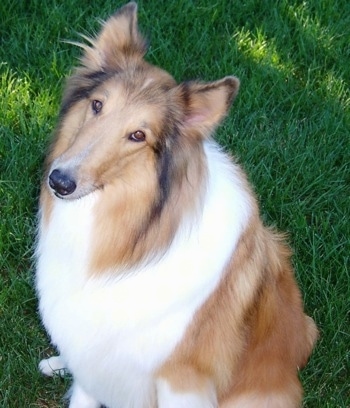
{"type": "Point", "coordinates": [118, 43]}
{"type": "Point", "coordinates": [208, 103]}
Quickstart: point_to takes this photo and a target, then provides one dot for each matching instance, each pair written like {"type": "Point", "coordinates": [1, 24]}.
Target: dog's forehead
{"type": "Point", "coordinates": [149, 78]}
{"type": "Point", "coordinates": [139, 86]}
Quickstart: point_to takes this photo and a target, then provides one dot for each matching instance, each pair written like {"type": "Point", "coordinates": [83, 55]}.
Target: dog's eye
{"type": "Point", "coordinates": [137, 136]}
{"type": "Point", "coordinates": [96, 106]}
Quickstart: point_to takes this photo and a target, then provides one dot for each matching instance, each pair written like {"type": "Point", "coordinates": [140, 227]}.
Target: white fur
{"type": "Point", "coordinates": [80, 399]}
{"type": "Point", "coordinates": [114, 331]}
{"type": "Point", "coordinates": [53, 366]}
{"type": "Point", "coordinates": [168, 398]}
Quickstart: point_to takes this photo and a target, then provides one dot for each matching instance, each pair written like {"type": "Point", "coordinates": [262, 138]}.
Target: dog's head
{"type": "Point", "coordinates": [123, 121]}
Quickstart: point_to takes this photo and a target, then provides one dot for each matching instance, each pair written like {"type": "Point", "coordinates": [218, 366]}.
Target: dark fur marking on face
{"type": "Point", "coordinates": [78, 92]}
{"type": "Point", "coordinates": [165, 172]}
{"type": "Point", "coordinates": [164, 151]}
{"type": "Point", "coordinates": [164, 169]}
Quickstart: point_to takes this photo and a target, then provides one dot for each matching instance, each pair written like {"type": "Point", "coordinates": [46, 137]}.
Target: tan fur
{"type": "Point", "coordinates": [113, 248]}
{"type": "Point", "coordinates": [127, 171]}
{"type": "Point", "coordinates": [238, 341]}
{"type": "Point", "coordinates": [127, 209]}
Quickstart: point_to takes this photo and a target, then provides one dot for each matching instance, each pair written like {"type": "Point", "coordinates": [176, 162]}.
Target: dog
{"type": "Point", "coordinates": [157, 281]}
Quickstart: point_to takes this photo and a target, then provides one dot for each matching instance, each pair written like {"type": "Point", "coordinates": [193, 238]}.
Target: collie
{"type": "Point", "coordinates": [157, 281]}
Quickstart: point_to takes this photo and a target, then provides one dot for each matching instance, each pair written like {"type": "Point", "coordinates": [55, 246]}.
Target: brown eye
{"type": "Point", "coordinates": [137, 136]}
{"type": "Point", "coordinates": [96, 106]}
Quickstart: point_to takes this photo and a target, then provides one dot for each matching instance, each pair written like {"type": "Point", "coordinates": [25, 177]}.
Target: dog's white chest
{"type": "Point", "coordinates": [114, 331]}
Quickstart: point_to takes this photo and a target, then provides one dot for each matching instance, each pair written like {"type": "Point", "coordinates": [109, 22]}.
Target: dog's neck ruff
{"type": "Point", "coordinates": [150, 303]}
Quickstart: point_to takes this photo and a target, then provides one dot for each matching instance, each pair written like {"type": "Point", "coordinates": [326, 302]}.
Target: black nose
{"type": "Point", "coordinates": [61, 183]}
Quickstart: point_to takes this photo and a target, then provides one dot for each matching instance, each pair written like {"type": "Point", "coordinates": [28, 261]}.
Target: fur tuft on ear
{"type": "Point", "coordinates": [119, 43]}
{"type": "Point", "coordinates": [208, 103]}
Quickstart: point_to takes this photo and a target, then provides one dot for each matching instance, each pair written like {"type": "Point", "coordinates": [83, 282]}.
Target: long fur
{"type": "Point", "coordinates": [157, 281]}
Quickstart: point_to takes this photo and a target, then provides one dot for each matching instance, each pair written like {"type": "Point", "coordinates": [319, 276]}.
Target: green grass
{"type": "Point", "coordinates": [290, 129]}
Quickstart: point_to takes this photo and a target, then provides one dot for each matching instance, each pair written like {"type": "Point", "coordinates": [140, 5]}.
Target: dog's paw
{"type": "Point", "coordinates": [52, 366]}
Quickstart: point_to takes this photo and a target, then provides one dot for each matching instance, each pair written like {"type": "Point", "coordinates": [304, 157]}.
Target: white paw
{"type": "Point", "coordinates": [52, 366]}
{"type": "Point", "coordinates": [80, 399]}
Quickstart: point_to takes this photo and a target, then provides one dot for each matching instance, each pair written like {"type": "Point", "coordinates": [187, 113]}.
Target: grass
{"type": "Point", "coordinates": [289, 128]}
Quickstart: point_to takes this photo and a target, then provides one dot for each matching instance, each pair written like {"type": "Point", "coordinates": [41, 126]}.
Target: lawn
{"type": "Point", "coordinates": [289, 128]}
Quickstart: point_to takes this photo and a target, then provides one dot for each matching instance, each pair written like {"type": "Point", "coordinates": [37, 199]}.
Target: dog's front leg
{"type": "Point", "coordinates": [80, 399]}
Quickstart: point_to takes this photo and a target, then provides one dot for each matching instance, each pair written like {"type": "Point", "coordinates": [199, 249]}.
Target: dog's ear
{"type": "Point", "coordinates": [208, 103]}
{"type": "Point", "coordinates": [118, 44]}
